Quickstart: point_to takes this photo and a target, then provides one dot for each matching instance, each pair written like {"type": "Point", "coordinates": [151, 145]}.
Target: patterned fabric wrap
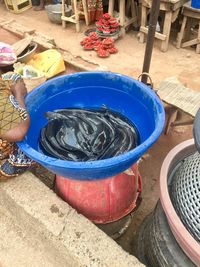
{"type": "Point", "coordinates": [22, 111]}
{"type": "Point", "coordinates": [11, 76]}
{"type": "Point", "coordinates": [11, 114]}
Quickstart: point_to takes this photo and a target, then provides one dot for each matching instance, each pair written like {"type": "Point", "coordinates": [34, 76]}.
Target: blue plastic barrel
{"type": "Point", "coordinates": [195, 3]}
{"type": "Point", "coordinates": [118, 92]}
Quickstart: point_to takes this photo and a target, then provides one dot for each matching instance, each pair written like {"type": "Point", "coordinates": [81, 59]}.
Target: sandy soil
{"type": "Point", "coordinates": [182, 63]}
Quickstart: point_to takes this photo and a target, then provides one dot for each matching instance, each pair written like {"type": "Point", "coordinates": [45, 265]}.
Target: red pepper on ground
{"type": "Point", "coordinates": [103, 47]}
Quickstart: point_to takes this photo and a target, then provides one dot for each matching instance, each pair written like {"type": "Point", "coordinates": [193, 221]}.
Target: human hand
{"type": "Point", "coordinates": [19, 88]}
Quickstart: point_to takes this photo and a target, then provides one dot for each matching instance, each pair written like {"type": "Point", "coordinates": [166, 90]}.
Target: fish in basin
{"type": "Point", "coordinates": [87, 134]}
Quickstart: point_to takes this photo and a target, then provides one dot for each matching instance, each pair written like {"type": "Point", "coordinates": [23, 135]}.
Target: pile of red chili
{"type": "Point", "coordinates": [106, 48]}
{"type": "Point", "coordinates": [103, 47]}
{"type": "Point", "coordinates": [107, 25]}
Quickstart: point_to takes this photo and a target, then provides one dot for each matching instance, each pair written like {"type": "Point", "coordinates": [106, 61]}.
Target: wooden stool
{"type": "Point", "coordinates": [171, 9]}
{"type": "Point", "coordinates": [123, 10]}
{"type": "Point", "coordinates": [75, 18]}
{"type": "Point", "coordinates": [190, 15]}
{"type": "Point", "coordinates": [179, 99]}
{"type": "Point", "coordinates": [18, 6]}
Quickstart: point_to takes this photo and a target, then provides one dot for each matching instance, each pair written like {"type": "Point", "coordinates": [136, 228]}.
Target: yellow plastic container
{"type": "Point", "coordinates": [49, 62]}
{"type": "Point", "coordinates": [18, 6]}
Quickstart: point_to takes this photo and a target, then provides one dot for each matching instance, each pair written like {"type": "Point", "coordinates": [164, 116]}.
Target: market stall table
{"type": "Point", "coordinates": [124, 8]}
{"type": "Point", "coordinates": [75, 18]}
{"type": "Point", "coordinates": [171, 9]}
{"type": "Point", "coordinates": [178, 98]}
{"type": "Point", "coordinates": [191, 15]}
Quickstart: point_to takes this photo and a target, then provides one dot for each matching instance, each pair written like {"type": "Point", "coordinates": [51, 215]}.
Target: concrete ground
{"type": "Point", "coordinates": [182, 63]}
{"type": "Point", "coordinates": [38, 229]}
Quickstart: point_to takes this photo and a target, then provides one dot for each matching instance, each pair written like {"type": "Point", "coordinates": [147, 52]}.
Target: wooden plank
{"type": "Point", "coordinates": [182, 123]}
{"type": "Point", "coordinates": [191, 42]}
{"type": "Point", "coordinates": [43, 43]}
{"type": "Point", "coordinates": [163, 1]}
{"type": "Point", "coordinates": [134, 13]}
{"type": "Point", "coordinates": [6, 22]}
{"type": "Point", "coordinates": [81, 63]}
{"type": "Point", "coordinates": [130, 21]}
{"type": "Point", "coordinates": [17, 28]}
{"type": "Point", "coordinates": [122, 16]}
{"type": "Point", "coordinates": [63, 14]}
{"type": "Point", "coordinates": [69, 19]}
{"type": "Point", "coordinates": [191, 13]}
{"type": "Point", "coordinates": [45, 37]}
{"type": "Point", "coordinates": [166, 5]}
{"type": "Point", "coordinates": [85, 11]}
{"type": "Point", "coordinates": [174, 93]}
{"type": "Point", "coordinates": [172, 113]}
{"type": "Point", "coordinates": [178, 4]}
{"type": "Point", "coordinates": [76, 15]}
{"type": "Point", "coordinates": [166, 30]}
{"type": "Point", "coordinates": [181, 33]}
{"type": "Point", "coordinates": [175, 15]}
{"type": "Point", "coordinates": [111, 7]}
{"type": "Point", "coordinates": [163, 5]}
{"type": "Point", "coordinates": [143, 23]}
{"type": "Point", "coordinates": [198, 45]}
{"type": "Point", "coordinates": [188, 27]}
{"type": "Point", "coordinates": [21, 45]}
{"type": "Point", "coordinates": [158, 35]}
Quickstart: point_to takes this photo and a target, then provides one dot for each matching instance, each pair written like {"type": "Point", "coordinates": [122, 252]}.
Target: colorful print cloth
{"type": "Point", "coordinates": [9, 113]}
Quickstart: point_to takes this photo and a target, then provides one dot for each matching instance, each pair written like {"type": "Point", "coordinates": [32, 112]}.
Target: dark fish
{"type": "Point", "coordinates": [87, 135]}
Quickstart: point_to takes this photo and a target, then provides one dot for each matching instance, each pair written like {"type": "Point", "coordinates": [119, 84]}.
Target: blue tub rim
{"type": "Point", "coordinates": [105, 163]}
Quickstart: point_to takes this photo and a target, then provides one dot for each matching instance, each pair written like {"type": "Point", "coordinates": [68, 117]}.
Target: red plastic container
{"type": "Point", "coordinates": [105, 200]}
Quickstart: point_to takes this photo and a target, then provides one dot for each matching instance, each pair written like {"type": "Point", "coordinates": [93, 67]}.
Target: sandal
{"type": "Point", "coordinates": [17, 164]}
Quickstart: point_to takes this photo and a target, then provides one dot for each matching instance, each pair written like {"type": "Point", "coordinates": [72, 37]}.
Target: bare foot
{"type": "Point", "coordinates": [38, 8]}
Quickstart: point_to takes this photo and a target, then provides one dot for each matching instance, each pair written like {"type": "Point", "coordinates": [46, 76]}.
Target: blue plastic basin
{"type": "Point", "coordinates": [92, 90]}
{"type": "Point", "coordinates": [195, 3]}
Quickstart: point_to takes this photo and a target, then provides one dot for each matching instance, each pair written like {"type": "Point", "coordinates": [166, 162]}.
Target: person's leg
{"type": "Point", "coordinates": [41, 6]}
{"type": "Point", "coordinates": [17, 164]}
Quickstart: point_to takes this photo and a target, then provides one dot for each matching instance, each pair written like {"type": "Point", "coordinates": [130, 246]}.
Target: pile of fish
{"type": "Point", "coordinates": [87, 135]}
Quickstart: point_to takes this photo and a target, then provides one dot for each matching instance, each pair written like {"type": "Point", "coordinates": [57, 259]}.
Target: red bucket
{"type": "Point", "coordinates": [105, 200]}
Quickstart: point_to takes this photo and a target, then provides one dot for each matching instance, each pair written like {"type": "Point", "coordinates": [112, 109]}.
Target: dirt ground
{"type": "Point", "coordinates": [182, 63]}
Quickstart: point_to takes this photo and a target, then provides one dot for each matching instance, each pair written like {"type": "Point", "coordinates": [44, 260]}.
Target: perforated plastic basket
{"type": "Point", "coordinates": [185, 193]}
{"type": "Point", "coordinates": [172, 162]}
